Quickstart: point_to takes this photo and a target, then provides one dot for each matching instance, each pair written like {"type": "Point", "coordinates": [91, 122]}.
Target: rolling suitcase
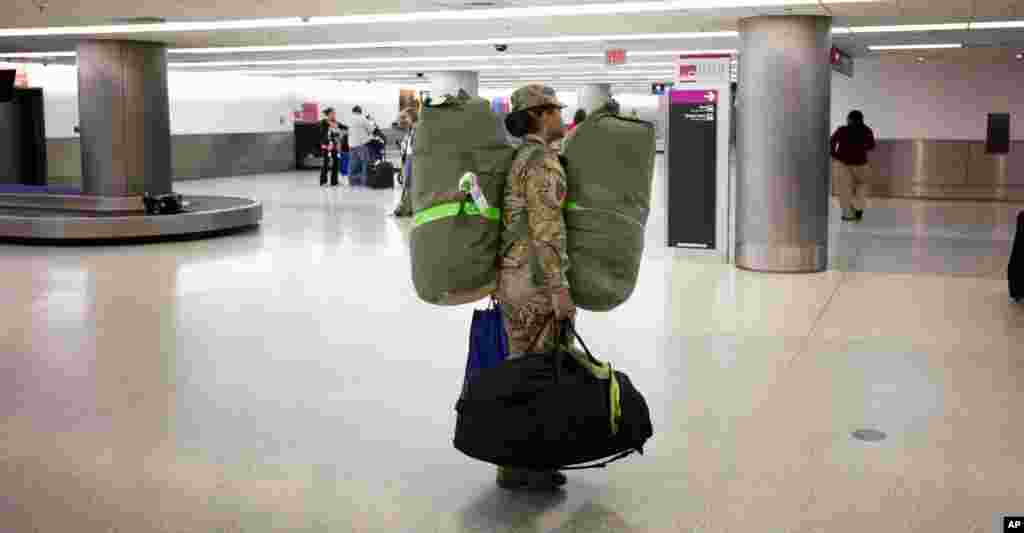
{"type": "Point", "coordinates": [1015, 272]}
{"type": "Point", "coordinates": [380, 175]}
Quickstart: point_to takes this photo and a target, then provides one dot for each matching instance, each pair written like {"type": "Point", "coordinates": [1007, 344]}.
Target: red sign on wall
{"type": "Point", "coordinates": [310, 112]}
{"type": "Point", "coordinates": [21, 77]}
{"type": "Point", "coordinates": [687, 73]}
{"type": "Point", "coordinates": [615, 56]}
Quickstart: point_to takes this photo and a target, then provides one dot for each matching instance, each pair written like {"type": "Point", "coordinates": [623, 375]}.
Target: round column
{"type": "Point", "coordinates": [783, 157]}
{"type": "Point", "coordinates": [124, 116]}
{"type": "Point", "coordinates": [451, 82]}
{"type": "Point", "coordinates": [594, 95]}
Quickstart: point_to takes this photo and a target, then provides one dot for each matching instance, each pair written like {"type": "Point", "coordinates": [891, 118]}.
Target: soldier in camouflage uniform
{"type": "Point", "coordinates": [532, 284]}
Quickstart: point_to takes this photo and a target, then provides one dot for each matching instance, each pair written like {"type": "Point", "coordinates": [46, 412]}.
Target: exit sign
{"type": "Point", "coordinates": [841, 62]}
{"type": "Point", "coordinates": [615, 57]}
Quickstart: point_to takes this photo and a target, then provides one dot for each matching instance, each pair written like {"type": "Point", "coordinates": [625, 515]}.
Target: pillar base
{"type": "Point", "coordinates": [781, 258]}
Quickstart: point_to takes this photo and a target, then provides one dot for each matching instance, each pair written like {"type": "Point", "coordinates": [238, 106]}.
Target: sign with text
{"type": "Point", "coordinates": [693, 169]}
{"type": "Point", "coordinates": [841, 62]}
{"type": "Point", "coordinates": [615, 56]}
{"type": "Point", "coordinates": [703, 68]}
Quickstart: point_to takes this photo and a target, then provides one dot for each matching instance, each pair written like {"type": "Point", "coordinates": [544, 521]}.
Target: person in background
{"type": "Point", "coordinates": [360, 135]}
{"type": "Point", "coordinates": [577, 118]}
{"type": "Point", "coordinates": [407, 121]}
{"type": "Point", "coordinates": [330, 146]}
{"type": "Point", "coordinates": [850, 145]}
{"type": "Point", "coordinates": [533, 286]}
{"type": "Point", "coordinates": [580, 116]}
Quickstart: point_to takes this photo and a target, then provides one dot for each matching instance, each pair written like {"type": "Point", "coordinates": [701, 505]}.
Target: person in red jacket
{"type": "Point", "coordinates": [850, 146]}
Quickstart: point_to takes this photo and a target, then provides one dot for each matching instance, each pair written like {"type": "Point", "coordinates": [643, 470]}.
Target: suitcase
{"type": "Point", "coordinates": [1015, 273]}
{"type": "Point", "coordinates": [380, 175]}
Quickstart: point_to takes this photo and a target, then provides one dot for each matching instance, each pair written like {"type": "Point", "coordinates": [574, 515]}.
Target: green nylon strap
{"type": "Point", "coordinates": [603, 371]}
{"type": "Point", "coordinates": [452, 209]}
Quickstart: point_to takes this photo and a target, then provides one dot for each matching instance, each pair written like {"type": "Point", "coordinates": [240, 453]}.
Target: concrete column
{"type": "Point", "coordinates": [594, 95]}
{"type": "Point", "coordinates": [124, 115]}
{"type": "Point", "coordinates": [783, 158]}
{"type": "Point", "coordinates": [442, 83]}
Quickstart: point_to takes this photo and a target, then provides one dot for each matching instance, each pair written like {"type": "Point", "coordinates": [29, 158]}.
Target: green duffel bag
{"type": "Point", "coordinates": [609, 164]}
{"type": "Point", "coordinates": [454, 245]}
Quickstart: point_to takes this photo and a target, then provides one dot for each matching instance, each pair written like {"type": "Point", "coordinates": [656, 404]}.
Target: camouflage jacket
{"type": "Point", "coordinates": [534, 196]}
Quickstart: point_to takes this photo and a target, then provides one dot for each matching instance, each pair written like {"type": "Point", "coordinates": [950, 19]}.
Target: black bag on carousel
{"type": "Point", "coordinates": [164, 204]}
{"type": "Point", "coordinates": [552, 411]}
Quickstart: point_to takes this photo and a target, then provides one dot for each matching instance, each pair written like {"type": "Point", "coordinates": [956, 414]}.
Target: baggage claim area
{"type": "Point", "coordinates": [249, 256]}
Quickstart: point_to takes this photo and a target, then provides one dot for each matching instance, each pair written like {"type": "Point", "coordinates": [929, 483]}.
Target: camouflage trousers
{"type": "Point", "coordinates": [527, 312]}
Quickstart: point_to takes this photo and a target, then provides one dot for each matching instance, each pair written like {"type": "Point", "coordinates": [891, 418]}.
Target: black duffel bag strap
{"type": "Point", "coordinates": [600, 370]}
{"type": "Point", "coordinates": [569, 327]}
{"type": "Point", "coordinates": [602, 464]}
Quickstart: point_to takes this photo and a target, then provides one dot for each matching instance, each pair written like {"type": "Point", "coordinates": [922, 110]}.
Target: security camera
{"type": "Point", "coordinates": [501, 47]}
{"type": "Point", "coordinates": [419, 74]}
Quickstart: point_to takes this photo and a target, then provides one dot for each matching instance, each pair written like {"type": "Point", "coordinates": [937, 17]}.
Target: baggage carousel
{"type": "Point", "coordinates": [53, 217]}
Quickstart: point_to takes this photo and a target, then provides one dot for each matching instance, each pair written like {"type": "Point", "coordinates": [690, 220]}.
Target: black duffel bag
{"type": "Point", "coordinates": [552, 411]}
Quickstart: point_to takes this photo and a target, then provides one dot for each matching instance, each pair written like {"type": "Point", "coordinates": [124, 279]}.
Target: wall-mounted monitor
{"type": "Point", "coordinates": [997, 139]}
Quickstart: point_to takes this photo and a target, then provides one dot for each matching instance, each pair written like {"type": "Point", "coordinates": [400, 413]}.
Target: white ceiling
{"type": "Point", "coordinates": [983, 45]}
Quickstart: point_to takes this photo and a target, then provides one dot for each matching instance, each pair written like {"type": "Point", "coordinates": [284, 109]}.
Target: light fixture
{"type": "Point", "coordinates": [953, 26]}
{"type": "Point", "coordinates": [894, 47]}
{"type": "Point", "coordinates": [478, 68]}
{"type": "Point", "coordinates": [997, 25]}
{"type": "Point", "coordinates": [436, 59]}
{"type": "Point", "coordinates": [419, 17]}
{"type": "Point", "coordinates": [36, 55]}
{"type": "Point", "coordinates": [1020, 56]}
{"type": "Point", "coordinates": [510, 69]}
{"type": "Point", "coordinates": [472, 42]}
{"type": "Point", "coordinates": [920, 60]}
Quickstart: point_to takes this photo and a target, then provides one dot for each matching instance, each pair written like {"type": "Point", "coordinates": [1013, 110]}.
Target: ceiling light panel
{"type": "Point", "coordinates": [905, 28]}
{"type": "Point", "coordinates": [482, 68]}
{"type": "Point", "coordinates": [435, 59]}
{"type": "Point", "coordinates": [882, 48]}
{"type": "Point", "coordinates": [416, 17]}
{"type": "Point", "coordinates": [622, 37]}
{"type": "Point", "coordinates": [37, 55]}
{"type": "Point", "coordinates": [997, 25]}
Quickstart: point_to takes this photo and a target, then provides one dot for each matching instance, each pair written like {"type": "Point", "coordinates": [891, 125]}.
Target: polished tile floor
{"type": "Point", "coordinates": [289, 380]}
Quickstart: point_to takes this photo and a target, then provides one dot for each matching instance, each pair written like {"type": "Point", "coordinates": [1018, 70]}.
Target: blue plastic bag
{"type": "Point", "coordinates": [343, 158]}
{"type": "Point", "coordinates": [488, 342]}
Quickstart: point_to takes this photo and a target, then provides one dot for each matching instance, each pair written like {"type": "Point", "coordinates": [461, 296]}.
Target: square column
{"type": "Point", "coordinates": [594, 95]}
{"type": "Point", "coordinates": [442, 83]}
{"type": "Point", "coordinates": [124, 116]}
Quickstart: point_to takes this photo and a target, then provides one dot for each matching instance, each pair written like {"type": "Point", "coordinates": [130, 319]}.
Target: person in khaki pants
{"type": "Point", "coordinates": [850, 146]}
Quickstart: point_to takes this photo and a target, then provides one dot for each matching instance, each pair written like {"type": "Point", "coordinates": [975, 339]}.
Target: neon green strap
{"type": "Point", "coordinates": [452, 209]}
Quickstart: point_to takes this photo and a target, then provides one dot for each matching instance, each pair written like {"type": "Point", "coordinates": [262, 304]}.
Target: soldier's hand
{"type": "Point", "coordinates": [563, 305]}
